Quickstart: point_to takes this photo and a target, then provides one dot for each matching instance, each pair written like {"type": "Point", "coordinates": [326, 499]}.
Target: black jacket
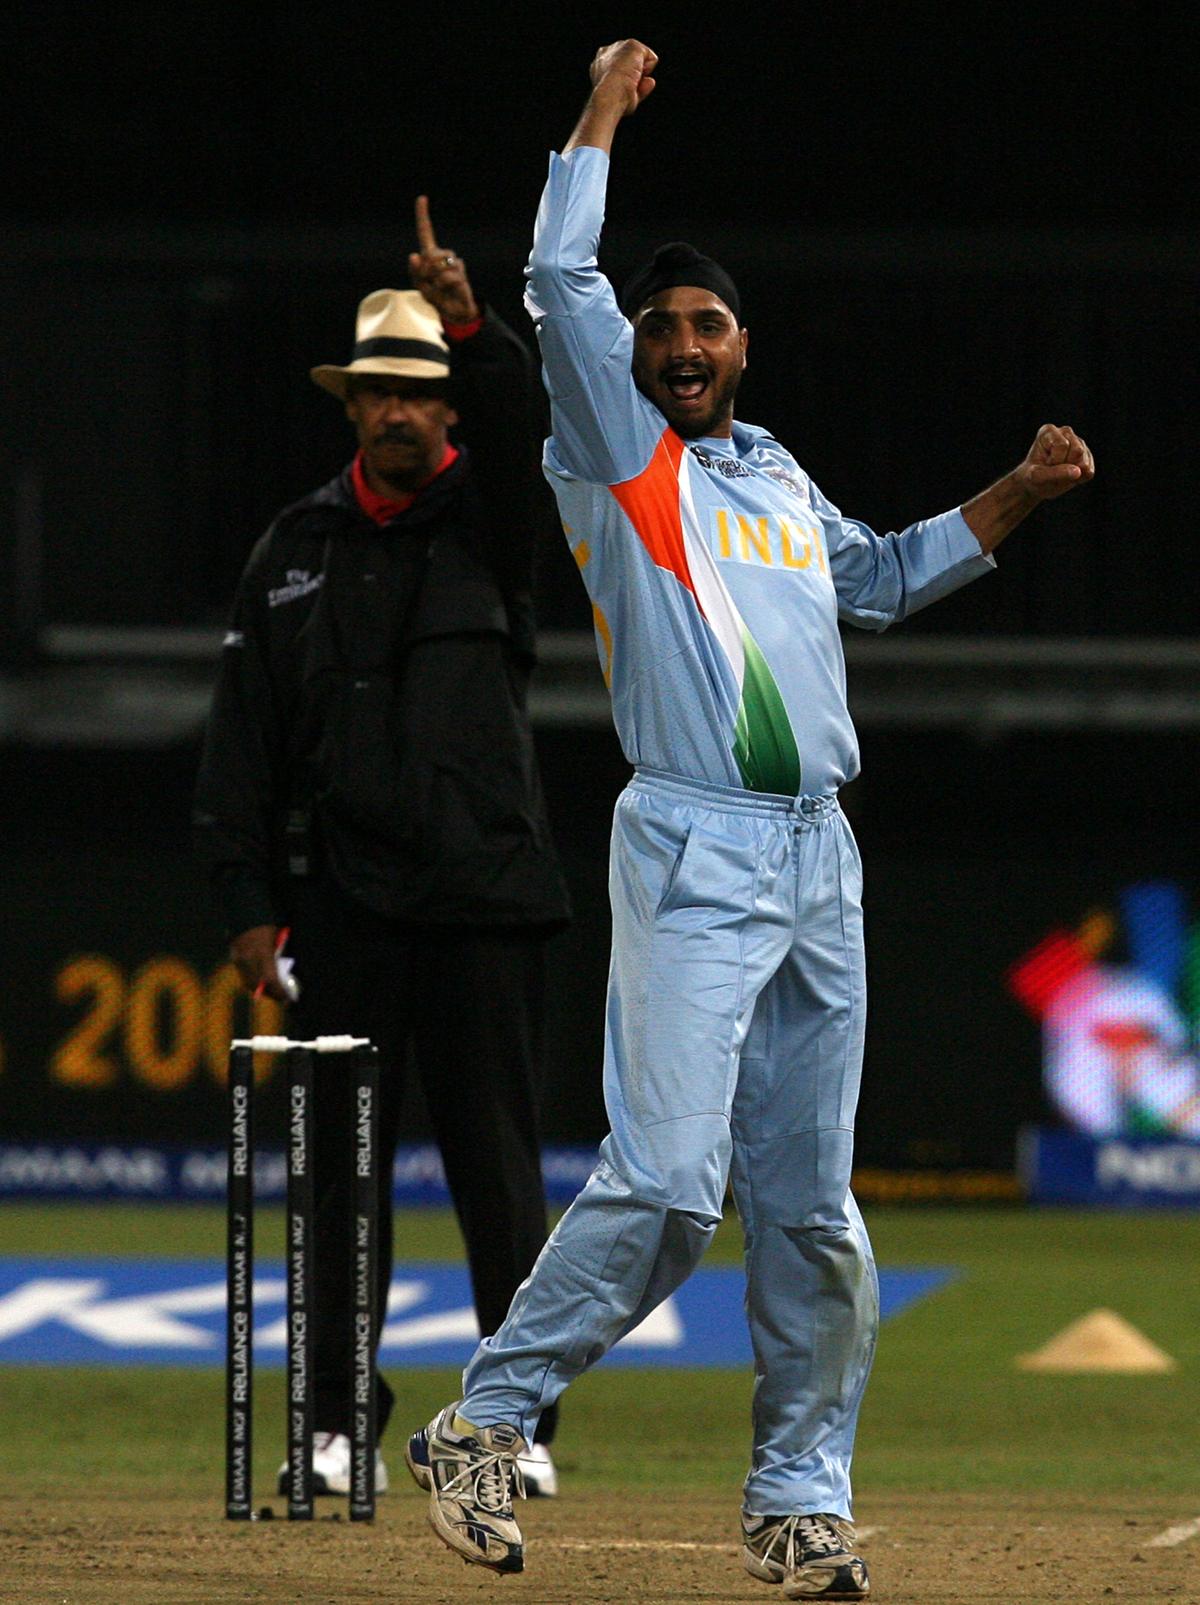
{"type": "Point", "coordinates": [369, 714]}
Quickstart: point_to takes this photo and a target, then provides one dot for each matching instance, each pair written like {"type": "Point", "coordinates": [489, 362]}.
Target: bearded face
{"type": "Point", "coordinates": [688, 359]}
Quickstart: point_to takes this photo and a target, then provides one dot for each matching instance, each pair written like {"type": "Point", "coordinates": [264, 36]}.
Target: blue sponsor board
{"type": "Point", "coordinates": [172, 1312]}
{"type": "Point", "coordinates": [1067, 1167]}
{"type": "Point", "coordinates": [61, 1171]}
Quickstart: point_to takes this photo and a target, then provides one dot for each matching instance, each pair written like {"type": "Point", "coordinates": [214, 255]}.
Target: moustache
{"type": "Point", "coordinates": [395, 437]}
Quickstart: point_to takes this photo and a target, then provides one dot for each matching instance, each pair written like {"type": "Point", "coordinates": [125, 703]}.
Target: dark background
{"type": "Point", "coordinates": [842, 115]}
{"type": "Point", "coordinates": [949, 224]}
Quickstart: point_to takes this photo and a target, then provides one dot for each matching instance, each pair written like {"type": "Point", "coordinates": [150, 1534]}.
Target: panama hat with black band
{"type": "Point", "coordinates": [397, 335]}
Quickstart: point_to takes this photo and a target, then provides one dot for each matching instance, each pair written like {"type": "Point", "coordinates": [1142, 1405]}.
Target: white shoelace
{"type": "Point", "coordinates": [491, 1479]}
{"type": "Point", "coordinates": [811, 1535]}
{"type": "Point", "coordinates": [819, 1535]}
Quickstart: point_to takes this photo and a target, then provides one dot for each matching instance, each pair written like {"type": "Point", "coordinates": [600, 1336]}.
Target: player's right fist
{"type": "Point", "coordinates": [623, 70]}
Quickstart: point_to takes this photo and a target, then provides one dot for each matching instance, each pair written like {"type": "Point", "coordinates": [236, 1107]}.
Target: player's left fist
{"type": "Point", "coordinates": [1058, 461]}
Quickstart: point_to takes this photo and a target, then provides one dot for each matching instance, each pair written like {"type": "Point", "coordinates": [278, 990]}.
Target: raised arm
{"type": "Point", "coordinates": [1058, 461]}
{"type": "Point", "coordinates": [493, 387]}
{"type": "Point", "coordinates": [621, 80]}
{"type": "Point", "coordinates": [603, 431]}
{"type": "Point", "coordinates": [881, 580]}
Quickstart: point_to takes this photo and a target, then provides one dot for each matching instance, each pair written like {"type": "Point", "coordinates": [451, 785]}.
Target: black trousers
{"type": "Point", "coordinates": [461, 1008]}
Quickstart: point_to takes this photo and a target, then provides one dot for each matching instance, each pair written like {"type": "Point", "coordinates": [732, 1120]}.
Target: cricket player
{"type": "Point", "coordinates": [718, 573]}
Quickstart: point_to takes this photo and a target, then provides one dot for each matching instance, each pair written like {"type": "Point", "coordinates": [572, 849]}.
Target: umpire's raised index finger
{"type": "Point", "coordinates": [426, 238]}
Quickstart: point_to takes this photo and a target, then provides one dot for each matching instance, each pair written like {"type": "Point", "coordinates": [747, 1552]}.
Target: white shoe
{"type": "Point", "coordinates": [471, 1474]}
{"type": "Point", "coordinates": [331, 1466]}
{"type": "Point", "coordinates": [812, 1556]}
{"type": "Point", "coordinates": [535, 1465]}
{"type": "Point", "coordinates": [537, 1468]}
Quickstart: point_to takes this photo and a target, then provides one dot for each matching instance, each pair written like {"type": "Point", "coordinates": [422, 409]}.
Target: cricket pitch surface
{"type": "Point", "coordinates": [602, 1548]}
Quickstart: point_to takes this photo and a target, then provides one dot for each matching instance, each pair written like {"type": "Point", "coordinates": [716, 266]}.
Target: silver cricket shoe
{"type": "Point", "coordinates": [471, 1474]}
{"type": "Point", "coordinates": [536, 1465]}
{"type": "Point", "coordinates": [812, 1556]}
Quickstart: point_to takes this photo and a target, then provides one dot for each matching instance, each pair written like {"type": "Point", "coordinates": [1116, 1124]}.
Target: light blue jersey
{"type": "Point", "coordinates": [716, 568]}
{"type": "Point", "coordinates": [737, 990]}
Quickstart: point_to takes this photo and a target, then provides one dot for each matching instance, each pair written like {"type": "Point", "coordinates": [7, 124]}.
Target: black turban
{"type": "Point", "coordinates": [674, 264]}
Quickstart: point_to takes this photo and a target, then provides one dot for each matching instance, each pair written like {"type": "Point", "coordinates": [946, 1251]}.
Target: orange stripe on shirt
{"type": "Point", "coordinates": [651, 503]}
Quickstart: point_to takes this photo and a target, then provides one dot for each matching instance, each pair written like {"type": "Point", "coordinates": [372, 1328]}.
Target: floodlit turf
{"type": "Point", "coordinates": [945, 1410]}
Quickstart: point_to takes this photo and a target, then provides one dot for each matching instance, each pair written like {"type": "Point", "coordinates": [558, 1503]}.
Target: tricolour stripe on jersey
{"type": "Point", "coordinates": [651, 503]}
{"type": "Point", "coordinates": [659, 505]}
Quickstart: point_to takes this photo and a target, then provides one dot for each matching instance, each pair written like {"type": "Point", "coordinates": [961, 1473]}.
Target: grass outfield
{"type": "Point", "coordinates": [946, 1410]}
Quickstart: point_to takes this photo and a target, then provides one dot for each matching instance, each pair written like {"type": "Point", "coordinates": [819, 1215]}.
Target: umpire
{"type": "Point", "coordinates": [369, 782]}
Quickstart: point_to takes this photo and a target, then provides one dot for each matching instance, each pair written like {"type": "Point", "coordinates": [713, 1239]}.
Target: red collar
{"type": "Point", "coordinates": [383, 509]}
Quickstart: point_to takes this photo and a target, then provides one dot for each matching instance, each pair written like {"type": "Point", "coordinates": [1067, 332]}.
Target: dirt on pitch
{"type": "Point", "coordinates": [602, 1549]}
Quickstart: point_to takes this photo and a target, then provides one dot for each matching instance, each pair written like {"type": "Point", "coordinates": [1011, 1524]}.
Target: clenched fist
{"type": "Point", "coordinates": [624, 69]}
{"type": "Point", "coordinates": [1057, 461]}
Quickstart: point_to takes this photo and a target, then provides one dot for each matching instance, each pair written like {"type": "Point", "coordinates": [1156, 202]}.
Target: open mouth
{"type": "Point", "coordinates": [686, 384]}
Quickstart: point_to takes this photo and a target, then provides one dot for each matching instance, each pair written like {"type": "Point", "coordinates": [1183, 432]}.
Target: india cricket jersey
{"type": "Point", "coordinates": [716, 569]}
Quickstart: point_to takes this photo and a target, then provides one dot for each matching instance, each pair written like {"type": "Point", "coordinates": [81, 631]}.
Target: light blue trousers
{"type": "Point", "coordinates": [733, 1051]}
